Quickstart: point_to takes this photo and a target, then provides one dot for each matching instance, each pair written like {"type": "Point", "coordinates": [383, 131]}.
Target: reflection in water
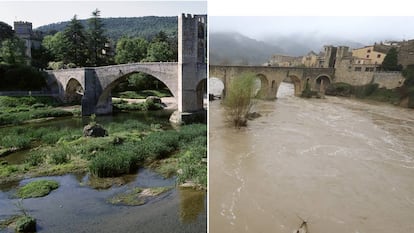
{"type": "Point", "coordinates": [341, 164]}
{"type": "Point", "coordinates": [191, 204]}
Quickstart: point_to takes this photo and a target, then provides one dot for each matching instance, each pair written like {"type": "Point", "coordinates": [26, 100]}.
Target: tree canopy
{"type": "Point", "coordinates": [6, 31]}
{"type": "Point", "coordinates": [75, 43]}
{"type": "Point", "coordinates": [96, 40]}
{"type": "Point", "coordinates": [390, 62]}
{"type": "Point", "coordinates": [131, 50]}
{"type": "Point", "coordinates": [12, 51]}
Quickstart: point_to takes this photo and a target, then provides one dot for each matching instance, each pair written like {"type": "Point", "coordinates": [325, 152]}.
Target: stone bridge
{"type": "Point", "coordinates": [271, 77]}
{"type": "Point", "coordinates": [186, 79]}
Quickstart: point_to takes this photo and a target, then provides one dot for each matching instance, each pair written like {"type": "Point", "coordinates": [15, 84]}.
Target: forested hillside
{"type": "Point", "coordinates": [146, 27]}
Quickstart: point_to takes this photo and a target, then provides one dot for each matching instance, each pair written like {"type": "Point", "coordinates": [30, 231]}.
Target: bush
{"type": "Point", "coordinates": [35, 158]}
{"type": "Point", "coordinates": [238, 99]}
{"type": "Point", "coordinates": [192, 167]}
{"type": "Point", "coordinates": [115, 161]}
{"type": "Point", "coordinates": [26, 224]}
{"type": "Point", "coordinates": [60, 155]}
{"type": "Point", "coordinates": [21, 77]}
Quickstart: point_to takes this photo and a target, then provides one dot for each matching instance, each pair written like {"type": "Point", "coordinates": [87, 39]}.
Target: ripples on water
{"type": "Point", "coordinates": [342, 164]}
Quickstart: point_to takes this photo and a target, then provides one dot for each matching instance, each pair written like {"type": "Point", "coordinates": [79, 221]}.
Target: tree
{"type": "Point", "coordinates": [96, 40]}
{"type": "Point", "coordinates": [390, 62]}
{"type": "Point", "coordinates": [76, 43]}
{"type": "Point", "coordinates": [12, 51]}
{"type": "Point", "coordinates": [160, 37]}
{"type": "Point", "coordinates": [56, 46]}
{"type": "Point", "coordinates": [159, 51]}
{"type": "Point", "coordinates": [40, 57]}
{"type": "Point", "coordinates": [131, 50]}
{"type": "Point", "coordinates": [6, 31]}
{"type": "Point", "coordinates": [238, 99]}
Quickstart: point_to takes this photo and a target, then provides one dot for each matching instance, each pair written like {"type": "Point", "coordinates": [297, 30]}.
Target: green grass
{"type": "Point", "coordinates": [15, 110]}
{"type": "Point", "coordinates": [142, 94]}
{"type": "Point", "coordinates": [37, 188]}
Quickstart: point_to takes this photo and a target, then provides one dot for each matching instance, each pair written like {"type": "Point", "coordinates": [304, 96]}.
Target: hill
{"type": "Point", "coordinates": [146, 26]}
{"type": "Point", "coordinates": [235, 48]}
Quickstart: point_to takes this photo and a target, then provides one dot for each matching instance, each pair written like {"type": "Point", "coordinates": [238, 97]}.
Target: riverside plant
{"type": "Point", "coordinates": [239, 99]}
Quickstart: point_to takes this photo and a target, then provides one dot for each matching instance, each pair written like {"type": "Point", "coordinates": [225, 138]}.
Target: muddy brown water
{"type": "Point", "coordinates": [341, 164]}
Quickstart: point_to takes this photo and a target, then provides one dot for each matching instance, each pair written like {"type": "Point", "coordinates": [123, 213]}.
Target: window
{"type": "Point", "coordinates": [369, 69]}
{"type": "Point", "coordinates": [368, 56]}
{"type": "Point", "coordinates": [358, 68]}
{"type": "Point", "coordinates": [369, 50]}
{"type": "Point", "coordinates": [379, 55]}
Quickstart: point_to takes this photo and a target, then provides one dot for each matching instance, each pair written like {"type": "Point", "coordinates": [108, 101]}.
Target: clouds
{"type": "Point", "coordinates": [365, 30]}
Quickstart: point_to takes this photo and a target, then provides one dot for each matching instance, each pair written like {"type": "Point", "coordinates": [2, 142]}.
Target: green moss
{"type": "Point", "coordinates": [37, 188]}
{"type": "Point", "coordinates": [137, 196]}
{"type": "Point", "coordinates": [26, 224]}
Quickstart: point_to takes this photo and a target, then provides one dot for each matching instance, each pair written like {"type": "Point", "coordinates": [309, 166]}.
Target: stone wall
{"type": "Point", "coordinates": [389, 80]}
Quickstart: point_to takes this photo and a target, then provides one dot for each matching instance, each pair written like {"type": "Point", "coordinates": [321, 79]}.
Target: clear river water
{"type": "Point", "coordinates": [76, 207]}
{"type": "Point", "coordinates": [343, 165]}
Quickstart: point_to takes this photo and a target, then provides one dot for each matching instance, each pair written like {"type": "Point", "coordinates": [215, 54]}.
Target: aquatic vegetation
{"type": "Point", "coordinates": [137, 196]}
{"type": "Point", "coordinates": [37, 188]}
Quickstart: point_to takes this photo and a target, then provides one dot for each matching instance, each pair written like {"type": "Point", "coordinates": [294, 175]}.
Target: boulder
{"type": "Point", "coordinates": [153, 100]}
{"type": "Point", "coordinates": [94, 130]}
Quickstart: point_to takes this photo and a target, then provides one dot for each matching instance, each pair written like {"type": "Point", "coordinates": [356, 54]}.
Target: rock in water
{"type": "Point", "coordinates": [94, 130]}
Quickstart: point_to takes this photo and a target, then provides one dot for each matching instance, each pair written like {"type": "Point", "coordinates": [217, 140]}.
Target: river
{"type": "Point", "coordinates": [342, 165]}
{"type": "Point", "coordinates": [76, 207]}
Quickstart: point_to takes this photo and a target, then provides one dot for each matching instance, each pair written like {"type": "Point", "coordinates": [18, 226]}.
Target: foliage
{"type": "Point", "coordinates": [15, 110]}
{"type": "Point", "coordinates": [6, 31]}
{"type": "Point", "coordinates": [390, 62]}
{"type": "Point", "coordinates": [21, 77]}
{"type": "Point", "coordinates": [56, 46]}
{"type": "Point", "coordinates": [115, 28]}
{"type": "Point", "coordinates": [238, 99]}
{"type": "Point", "coordinates": [40, 57]}
{"type": "Point", "coordinates": [407, 90]}
{"type": "Point", "coordinates": [37, 188]}
{"type": "Point", "coordinates": [75, 43]}
{"type": "Point", "coordinates": [12, 51]}
{"type": "Point", "coordinates": [26, 224]}
{"type": "Point", "coordinates": [159, 51]}
{"type": "Point", "coordinates": [131, 50]}
{"type": "Point", "coordinates": [307, 92]}
{"type": "Point", "coordinates": [339, 89]}
{"type": "Point", "coordinates": [137, 196]}
{"type": "Point", "coordinates": [96, 40]}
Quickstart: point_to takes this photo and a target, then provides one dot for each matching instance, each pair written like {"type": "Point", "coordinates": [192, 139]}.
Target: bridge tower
{"type": "Point", "coordinates": [192, 65]}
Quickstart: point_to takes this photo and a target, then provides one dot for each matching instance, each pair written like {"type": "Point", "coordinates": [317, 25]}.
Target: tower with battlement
{"type": "Point", "coordinates": [192, 62]}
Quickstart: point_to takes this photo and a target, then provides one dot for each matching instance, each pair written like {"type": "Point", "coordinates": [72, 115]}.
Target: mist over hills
{"type": "Point", "coordinates": [235, 48]}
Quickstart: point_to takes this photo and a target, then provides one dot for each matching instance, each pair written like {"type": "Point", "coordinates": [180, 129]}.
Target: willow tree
{"type": "Point", "coordinates": [239, 99]}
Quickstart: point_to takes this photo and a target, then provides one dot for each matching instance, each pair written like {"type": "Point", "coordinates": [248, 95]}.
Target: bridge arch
{"type": "Point", "coordinates": [297, 84]}
{"type": "Point", "coordinates": [216, 86]}
{"type": "Point", "coordinates": [321, 82]}
{"type": "Point", "coordinates": [262, 85]}
{"type": "Point", "coordinates": [73, 91]}
{"type": "Point", "coordinates": [104, 103]}
{"type": "Point", "coordinates": [201, 90]}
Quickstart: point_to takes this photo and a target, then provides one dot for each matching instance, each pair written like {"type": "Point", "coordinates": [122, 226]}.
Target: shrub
{"type": "Point", "coordinates": [113, 162]}
{"type": "Point", "coordinates": [238, 99]}
{"type": "Point", "coordinates": [35, 158]}
{"type": "Point", "coordinates": [60, 155]}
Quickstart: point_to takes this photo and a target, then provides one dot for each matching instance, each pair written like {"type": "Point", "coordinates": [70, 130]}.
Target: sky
{"type": "Point", "coordinates": [363, 29]}
{"type": "Point", "coordinates": [46, 12]}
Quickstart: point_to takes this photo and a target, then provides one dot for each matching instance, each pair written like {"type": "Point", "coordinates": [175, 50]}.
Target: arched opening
{"type": "Point", "coordinates": [132, 89]}
{"type": "Point", "coordinates": [215, 87]}
{"type": "Point", "coordinates": [291, 86]}
{"type": "Point", "coordinates": [261, 86]}
{"type": "Point", "coordinates": [73, 92]}
{"type": "Point", "coordinates": [321, 83]}
{"type": "Point", "coordinates": [202, 94]}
